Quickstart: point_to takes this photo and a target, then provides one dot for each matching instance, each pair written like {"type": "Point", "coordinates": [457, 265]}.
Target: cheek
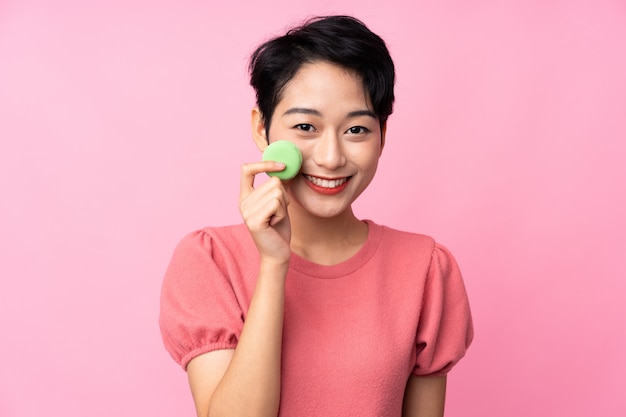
{"type": "Point", "coordinates": [306, 146]}
{"type": "Point", "coordinates": [367, 160]}
{"type": "Point", "coordinates": [278, 131]}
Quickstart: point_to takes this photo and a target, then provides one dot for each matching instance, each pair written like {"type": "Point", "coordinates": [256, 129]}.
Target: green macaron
{"type": "Point", "coordinates": [287, 153]}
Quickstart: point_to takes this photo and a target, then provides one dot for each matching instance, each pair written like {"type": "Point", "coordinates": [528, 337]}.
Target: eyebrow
{"type": "Point", "coordinates": [359, 113]}
{"type": "Point", "coordinates": [304, 110]}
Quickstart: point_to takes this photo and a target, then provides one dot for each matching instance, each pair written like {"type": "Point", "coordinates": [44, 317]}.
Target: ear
{"type": "Point", "coordinates": [383, 134]}
{"type": "Point", "coordinates": [258, 129]}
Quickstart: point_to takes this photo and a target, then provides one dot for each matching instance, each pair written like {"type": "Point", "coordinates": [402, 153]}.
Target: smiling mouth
{"type": "Point", "coordinates": [324, 183]}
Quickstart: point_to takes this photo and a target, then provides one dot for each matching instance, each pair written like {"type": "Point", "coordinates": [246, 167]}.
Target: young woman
{"type": "Point", "coordinates": [304, 309]}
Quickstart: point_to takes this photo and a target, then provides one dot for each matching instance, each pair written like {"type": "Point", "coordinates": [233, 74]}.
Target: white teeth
{"type": "Point", "coordinates": [320, 182]}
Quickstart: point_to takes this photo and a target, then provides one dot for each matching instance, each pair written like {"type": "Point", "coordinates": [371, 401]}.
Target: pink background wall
{"type": "Point", "coordinates": [123, 124]}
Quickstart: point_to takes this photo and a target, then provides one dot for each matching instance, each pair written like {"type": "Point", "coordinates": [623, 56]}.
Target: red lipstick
{"type": "Point", "coordinates": [327, 190]}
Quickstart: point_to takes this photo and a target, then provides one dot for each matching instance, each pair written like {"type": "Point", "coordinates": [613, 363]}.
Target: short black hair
{"type": "Point", "coordinates": [341, 40]}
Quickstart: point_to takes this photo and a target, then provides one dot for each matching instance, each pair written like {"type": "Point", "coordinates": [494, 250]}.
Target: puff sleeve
{"type": "Point", "coordinates": [199, 311]}
{"type": "Point", "coordinates": [445, 328]}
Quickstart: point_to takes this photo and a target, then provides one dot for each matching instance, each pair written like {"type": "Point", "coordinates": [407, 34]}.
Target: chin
{"type": "Point", "coordinates": [328, 212]}
{"type": "Point", "coordinates": [320, 206]}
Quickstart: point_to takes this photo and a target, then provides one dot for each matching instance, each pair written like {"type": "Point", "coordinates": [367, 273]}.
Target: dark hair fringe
{"type": "Point", "coordinates": [339, 39]}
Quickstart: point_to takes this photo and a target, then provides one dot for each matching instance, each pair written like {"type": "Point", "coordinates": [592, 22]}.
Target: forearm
{"type": "Point", "coordinates": [251, 383]}
{"type": "Point", "coordinates": [425, 397]}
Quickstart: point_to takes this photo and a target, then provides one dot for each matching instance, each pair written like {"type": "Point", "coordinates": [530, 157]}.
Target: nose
{"type": "Point", "coordinates": [328, 152]}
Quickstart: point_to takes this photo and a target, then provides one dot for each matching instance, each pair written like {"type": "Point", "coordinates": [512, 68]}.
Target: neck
{"type": "Point", "coordinates": [326, 241]}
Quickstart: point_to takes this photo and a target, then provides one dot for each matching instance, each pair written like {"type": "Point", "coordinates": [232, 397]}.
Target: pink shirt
{"type": "Point", "coordinates": [353, 332]}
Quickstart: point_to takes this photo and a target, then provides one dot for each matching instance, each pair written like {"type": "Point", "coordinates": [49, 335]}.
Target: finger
{"type": "Point", "coordinates": [250, 170]}
{"type": "Point", "coordinates": [270, 212]}
{"type": "Point", "coordinates": [254, 197]}
{"type": "Point", "coordinates": [280, 209]}
{"type": "Point", "coordinates": [273, 183]}
{"type": "Point", "coordinates": [264, 202]}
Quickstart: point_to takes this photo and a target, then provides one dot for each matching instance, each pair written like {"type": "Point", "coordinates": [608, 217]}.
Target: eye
{"type": "Point", "coordinates": [305, 127]}
{"type": "Point", "coordinates": [356, 130]}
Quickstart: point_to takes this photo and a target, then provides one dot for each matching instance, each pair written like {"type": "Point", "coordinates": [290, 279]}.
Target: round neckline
{"type": "Point", "coordinates": [347, 267]}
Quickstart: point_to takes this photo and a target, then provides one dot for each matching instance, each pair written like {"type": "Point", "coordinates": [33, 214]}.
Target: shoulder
{"type": "Point", "coordinates": [226, 233]}
{"type": "Point", "coordinates": [413, 246]}
{"type": "Point", "coordinates": [220, 246]}
{"type": "Point", "coordinates": [214, 237]}
{"type": "Point", "coordinates": [402, 239]}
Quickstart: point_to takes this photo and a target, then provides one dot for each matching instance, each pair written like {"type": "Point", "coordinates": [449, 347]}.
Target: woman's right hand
{"type": "Point", "coordinates": [264, 211]}
{"type": "Point", "coordinates": [247, 380]}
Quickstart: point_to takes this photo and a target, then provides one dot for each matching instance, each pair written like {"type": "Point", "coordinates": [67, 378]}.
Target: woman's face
{"type": "Point", "coordinates": [326, 112]}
